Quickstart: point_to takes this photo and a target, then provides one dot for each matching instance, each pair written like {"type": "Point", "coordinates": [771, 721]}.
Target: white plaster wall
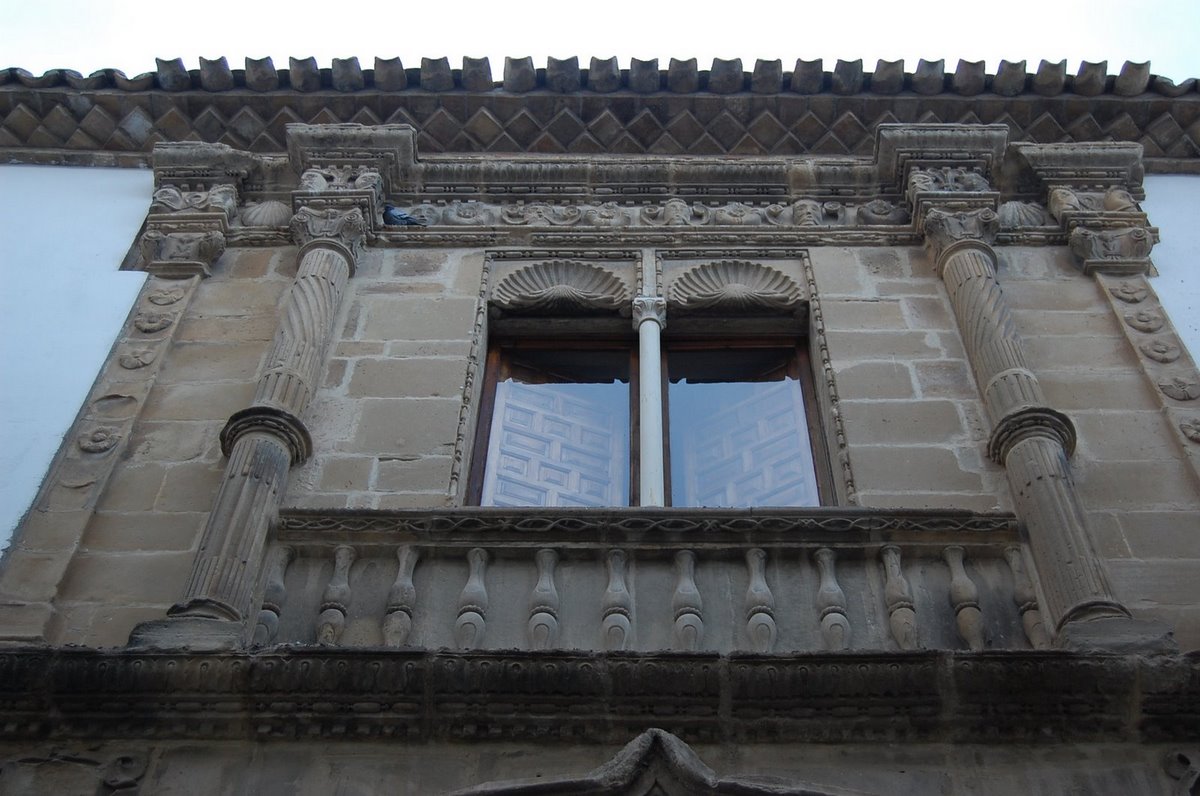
{"type": "Point", "coordinates": [63, 234]}
{"type": "Point", "coordinates": [1173, 205]}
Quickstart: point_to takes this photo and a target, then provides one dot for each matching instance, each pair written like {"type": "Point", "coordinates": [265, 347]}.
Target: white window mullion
{"type": "Point", "coordinates": [649, 317]}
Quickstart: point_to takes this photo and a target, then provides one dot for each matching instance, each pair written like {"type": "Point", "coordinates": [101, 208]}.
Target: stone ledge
{"type": "Point", "coordinates": [285, 693]}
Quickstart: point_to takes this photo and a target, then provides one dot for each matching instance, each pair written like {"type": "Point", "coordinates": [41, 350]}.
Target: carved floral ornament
{"type": "Point", "coordinates": [165, 296]}
{"type": "Point", "coordinates": [1191, 428]}
{"type": "Point", "coordinates": [1129, 292]}
{"type": "Point", "coordinates": [1161, 349]}
{"type": "Point", "coordinates": [734, 287]}
{"type": "Point", "coordinates": [1180, 388]}
{"type": "Point", "coordinates": [947, 179]}
{"type": "Point", "coordinates": [150, 322]}
{"type": "Point", "coordinates": [98, 440]}
{"type": "Point", "coordinates": [561, 287]}
{"type": "Point", "coordinates": [137, 358]}
{"type": "Point", "coordinates": [1147, 321]}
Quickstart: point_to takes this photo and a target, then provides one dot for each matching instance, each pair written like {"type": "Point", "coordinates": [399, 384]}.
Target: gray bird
{"type": "Point", "coordinates": [394, 217]}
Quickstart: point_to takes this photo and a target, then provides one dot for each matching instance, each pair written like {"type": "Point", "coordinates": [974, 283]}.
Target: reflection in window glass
{"type": "Point", "coordinates": [560, 431]}
{"type": "Point", "coordinates": [738, 432]}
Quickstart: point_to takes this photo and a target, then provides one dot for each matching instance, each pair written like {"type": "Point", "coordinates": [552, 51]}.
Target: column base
{"type": "Point", "coordinates": [194, 633]}
{"type": "Point", "coordinates": [1118, 635]}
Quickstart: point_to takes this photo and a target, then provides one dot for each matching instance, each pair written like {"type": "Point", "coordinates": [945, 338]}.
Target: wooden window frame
{"type": "Point", "coordinates": [799, 367]}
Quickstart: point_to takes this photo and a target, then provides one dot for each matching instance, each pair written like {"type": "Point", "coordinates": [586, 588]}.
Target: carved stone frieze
{"type": "Point", "coordinates": [561, 287]}
{"type": "Point", "coordinates": [734, 287]}
{"type": "Point", "coordinates": [597, 697]}
{"type": "Point", "coordinates": [177, 255]}
{"type": "Point", "coordinates": [881, 211]}
{"type": "Point", "coordinates": [1116, 251]}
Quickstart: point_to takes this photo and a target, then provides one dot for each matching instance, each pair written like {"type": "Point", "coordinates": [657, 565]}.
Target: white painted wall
{"type": "Point", "coordinates": [1173, 205]}
{"type": "Point", "coordinates": [63, 234]}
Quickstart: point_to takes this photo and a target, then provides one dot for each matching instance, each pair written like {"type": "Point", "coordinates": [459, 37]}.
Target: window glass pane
{"type": "Point", "coordinates": [738, 431]}
{"type": "Point", "coordinates": [560, 431]}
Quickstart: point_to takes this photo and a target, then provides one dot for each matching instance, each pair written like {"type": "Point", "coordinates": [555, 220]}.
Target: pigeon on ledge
{"type": "Point", "coordinates": [394, 217]}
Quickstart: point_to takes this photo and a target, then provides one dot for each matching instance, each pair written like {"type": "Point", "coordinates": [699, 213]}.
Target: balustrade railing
{"type": "Point", "coordinates": [661, 579]}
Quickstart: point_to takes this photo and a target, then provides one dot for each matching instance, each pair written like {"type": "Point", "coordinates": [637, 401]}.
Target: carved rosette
{"type": "Point", "coordinates": [561, 287]}
{"type": "Point", "coordinates": [734, 287]}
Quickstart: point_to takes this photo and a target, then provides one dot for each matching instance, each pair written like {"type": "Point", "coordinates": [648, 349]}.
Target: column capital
{"type": "Point", "coordinates": [1121, 251]}
{"type": "Point", "coordinates": [340, 229]}
{"type": "Point", "coordinates": [649, 308]}
{"type": "Point", "coordinates": [947, 231]}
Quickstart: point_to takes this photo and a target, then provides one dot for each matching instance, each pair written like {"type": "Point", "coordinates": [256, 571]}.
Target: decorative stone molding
{"type": "Point", "coordinates": [1167, 366]}
{"type": "Point", "coordinates": [734, 287]}
{"type": "Point", "coordinates": [1083, 166]}
{"type": "Point", "coordinates": [561, 287]}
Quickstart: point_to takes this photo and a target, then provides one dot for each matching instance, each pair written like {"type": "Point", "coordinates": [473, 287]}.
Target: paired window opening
{"type": "Point", "coordinates": [559, 424]}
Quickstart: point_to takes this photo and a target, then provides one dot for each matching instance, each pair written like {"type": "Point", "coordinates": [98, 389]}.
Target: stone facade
{"type": "Point", "coordinates": [255, 564]}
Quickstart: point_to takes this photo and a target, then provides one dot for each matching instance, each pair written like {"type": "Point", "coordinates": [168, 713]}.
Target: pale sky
{"type": "Point", "coordinates": [86, 36]}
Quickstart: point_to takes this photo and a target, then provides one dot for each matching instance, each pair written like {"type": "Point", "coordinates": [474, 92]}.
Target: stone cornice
{"type": "Point", "coordinates": [642, 111]}
{"type": "Point", "coordinates": [335, 694]}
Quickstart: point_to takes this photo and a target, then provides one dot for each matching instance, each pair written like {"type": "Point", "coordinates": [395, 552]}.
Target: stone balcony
{"type": "Point", "coordinates": [693, 580]}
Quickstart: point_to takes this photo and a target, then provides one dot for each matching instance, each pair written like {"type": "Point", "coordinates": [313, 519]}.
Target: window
{"type": "Point", "coordinates": [559, 422]}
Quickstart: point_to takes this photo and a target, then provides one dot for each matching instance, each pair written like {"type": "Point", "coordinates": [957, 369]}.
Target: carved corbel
{"type": "Point", "coordinates": [179, 255]}
{"type": "Point", "coordinates": [959, 189]}
{"type": "Point", "coordinates": [1113, 251]}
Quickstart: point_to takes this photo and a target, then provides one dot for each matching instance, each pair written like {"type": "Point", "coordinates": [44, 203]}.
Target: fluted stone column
{"type": "Point", "coordinates": [263, 442]}
{"type": "Point", "coordinates": [1031, 440]}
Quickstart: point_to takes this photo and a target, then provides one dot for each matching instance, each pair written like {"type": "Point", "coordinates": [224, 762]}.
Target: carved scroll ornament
{"type": "Point", "coordinates": [342, 228]}
{"type": "Point", "coordinates": [561, 287]}
{"type": "Point", "coordinates": [734, 287]}
{"type": "Point", "coordinates": [1117, 250]}
{"type": "Point", "coordinates": [219, 199]}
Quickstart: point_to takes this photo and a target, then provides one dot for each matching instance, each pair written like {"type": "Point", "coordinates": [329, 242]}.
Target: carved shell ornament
{"type": "Point", "coordinates": [734, 287]}
{"type": "Point", "coordinates": [270, 213]}
{"type": "Point", "coordinates": [561, 287]}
